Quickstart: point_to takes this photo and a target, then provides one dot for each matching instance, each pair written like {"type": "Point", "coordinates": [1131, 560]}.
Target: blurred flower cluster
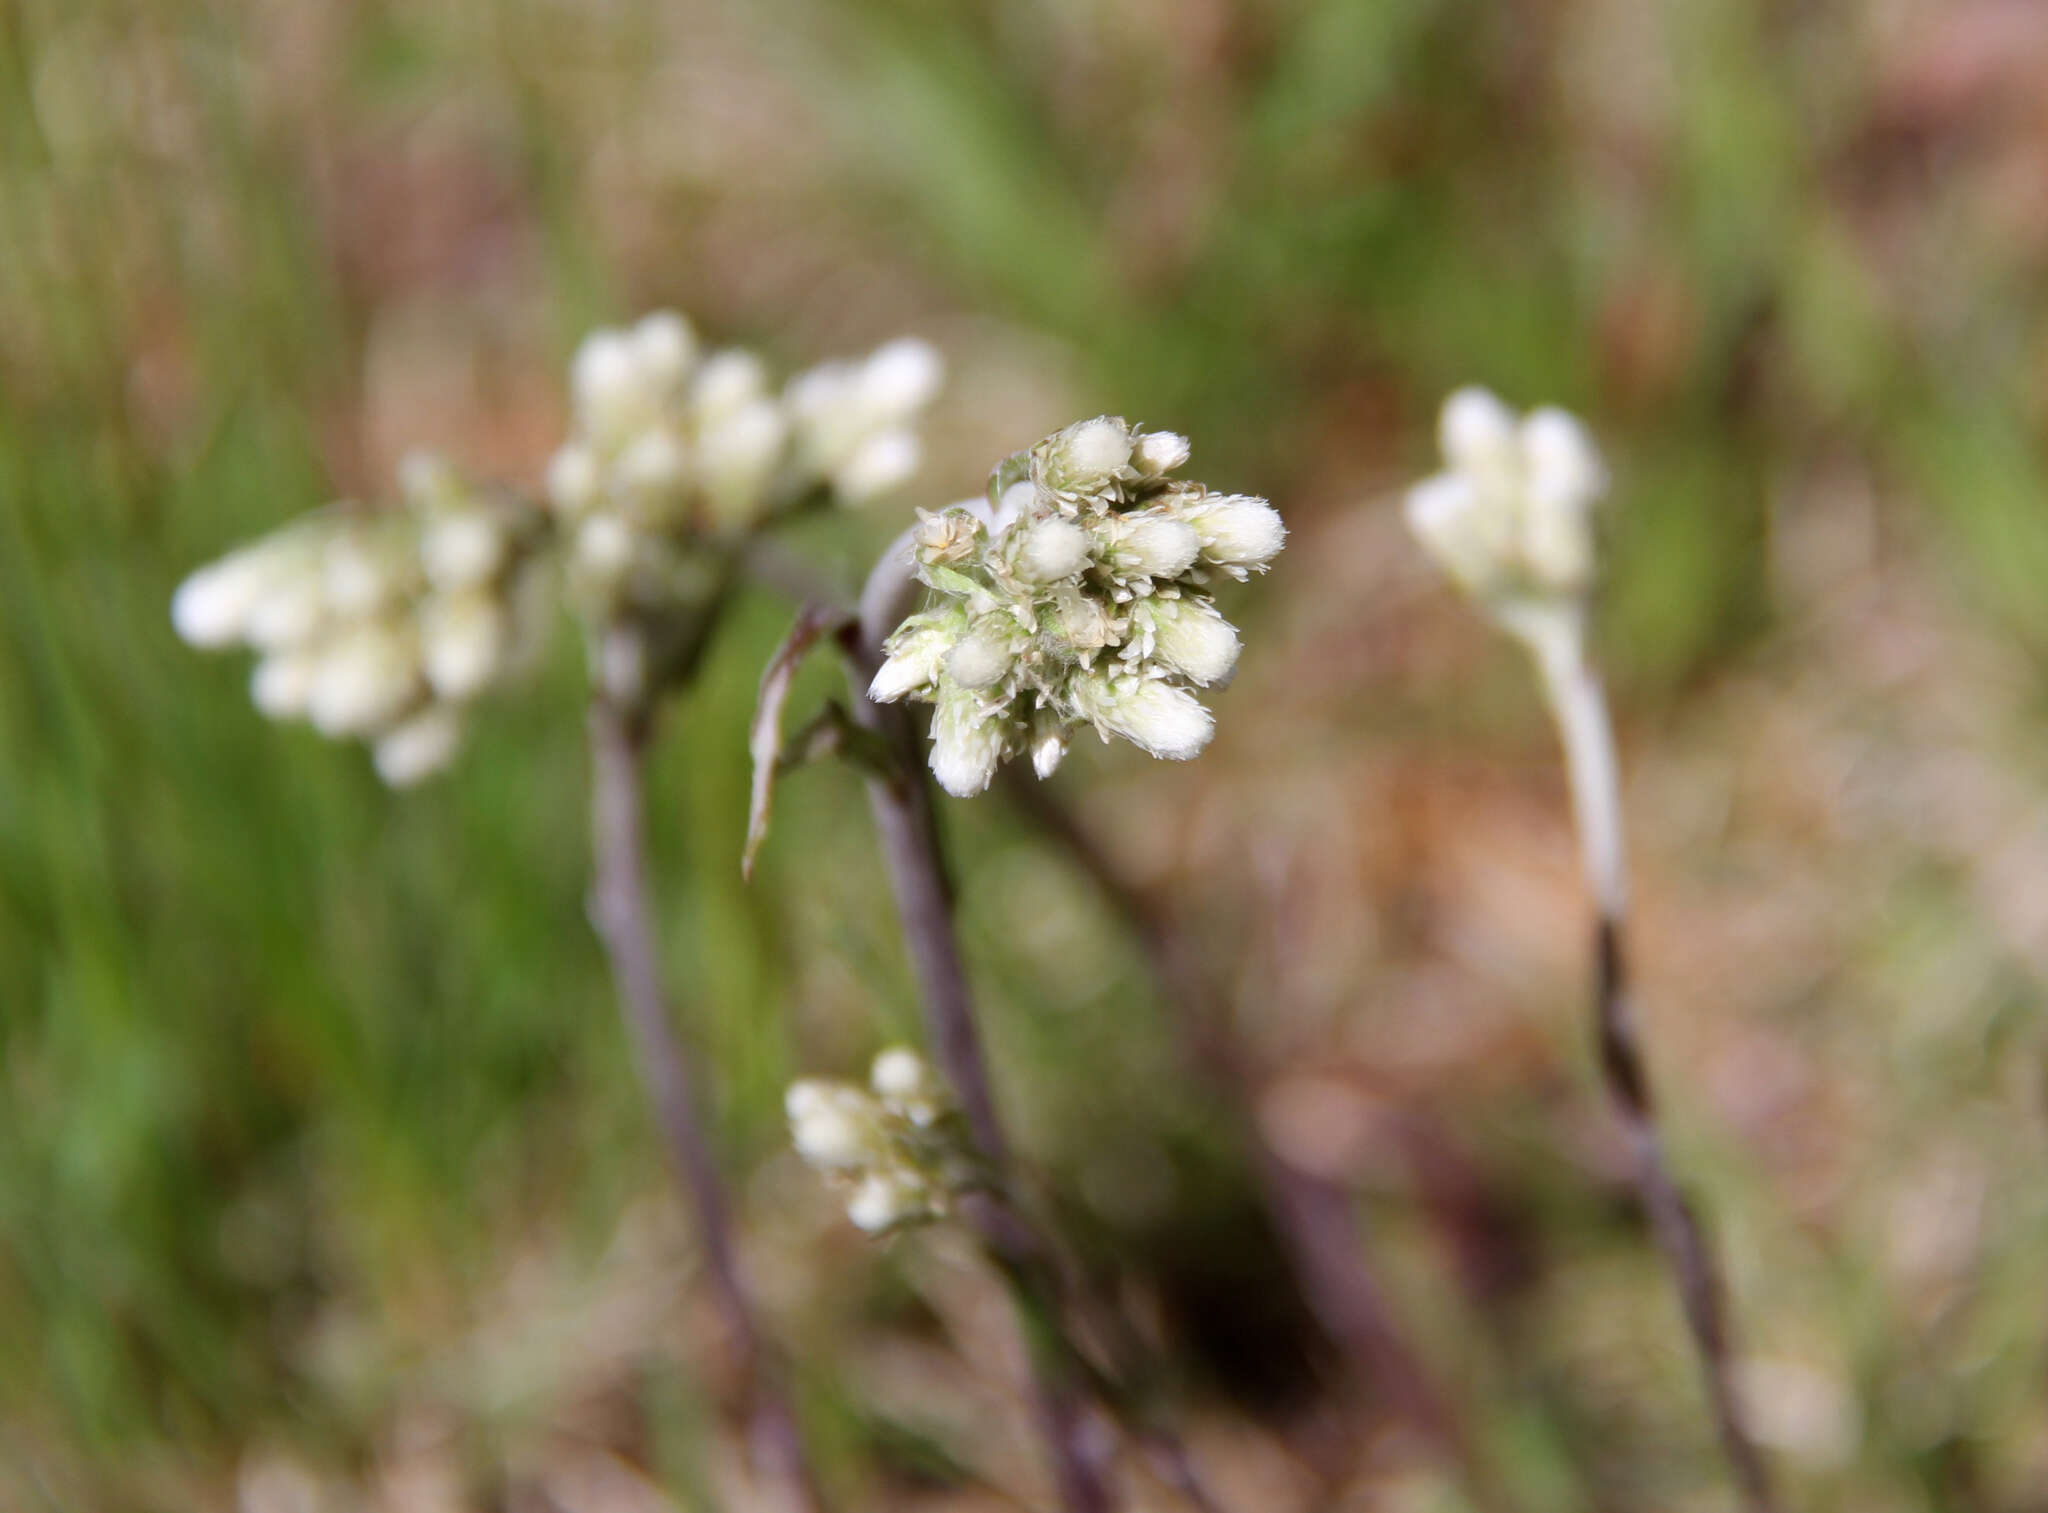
{"type": "Point", "coordinates": [674, 452]}
{"type": "Point", "coordinates": [386, 624]}
{"type": "Point", "coordinates": [1077, 594]}
{"type": "Point", "coordinates": [896, 1143]}
{"type": "Point", "coordinates": [383, 625]}
{"type": "Point", "coordinates": [1510, 519]}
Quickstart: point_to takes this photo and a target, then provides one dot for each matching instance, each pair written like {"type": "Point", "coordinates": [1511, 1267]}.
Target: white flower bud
{"type": "Point", "coordinates": [1015, 505]}
{"type": "Point", "coordinates": [903, 1080]}
{"type": "Point", "coordinates": [900, 378]}
{"type": "Point", "coordinates": [288, 612]}
{"type": "Point", "coordinates": [463, 548]}
{"type": "Point", "coordinates": [1238, 531]}
{"type": "Point", "coordinates": [1093, 452]}
{"type": "Point", "coordinates": [967, 744]}
{"type": "Point", "coordinates": [885, 461]}
{"type": "Point", "coordinates": [916, 653]}
{"type": "Point", "coordinates": [1565, 478]}
{"type": "Point", "coordinates": [419, 747]}
{"type": "Point", "coordinates": [980, 658]}
{"type": "Point", "coordinates": [1562, 461]}
{"type": "Point", "coordinates": [1083, 619]}
{"type": "Point", "coordinates": [1151, 714]}
{"type": "Point", "coordinates": [1194, 640]}
{"type": "Point", "coordinates": [884, 1199]}
{"type": "Point", "coordinates": [1478, 435]}
{"type": "Point", "coordinates": [737, 458]}
{"type": "Point", "coordinates": [1048, 746]}
{"type": "Point", "coordinates": [574, 480]}
{"type": "Point", "coordinates": [213, 607]}
{"type": "Point", "coordinates": [608, 389]}
{"type": "Point", "coordinates": [664, 347]}
{"type": "Point", "coordinates": [1470, 534]}
{"type": "Point", "coordinates": [1053, 548]}
{"type": "Point", "coordinates": [1156, 545]}
{"type": "Point", "coordinates": [365, 676]}
{"type": "Point", "coordinates": [832, 1126]}
{"type": "Point", "coordinates": [357, 574]}
{"type": "Point", "coordinates": [727, 381]}
{"type": "Point", "coordinates": [1158, 453]}
{"type": "Point", "coordinates": [462, 642]}
{"type": "Point", "coordinates": [652, 472]}
{"type": "Point", "coordinates": [282, 683]}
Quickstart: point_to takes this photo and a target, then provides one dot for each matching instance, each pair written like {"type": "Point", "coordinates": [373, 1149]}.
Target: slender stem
{"type": "Point", "coordinates": [902, 810]}
{"type": "Point", "coordinates": [1587, 733]}
{"type": "Point", "coordinates": [622, 912]}
{"type": "Point", "coordinates": [901, 804]}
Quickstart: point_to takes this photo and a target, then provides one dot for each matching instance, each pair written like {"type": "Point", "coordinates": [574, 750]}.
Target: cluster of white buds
{"type": "Point", "coordinates": [896, 1144]}
{"type": "Point", "coordinates": [1077, 594]}
{"type": "Point", "coordinates": [383, 625]}
{"type": "Point", "coordinates": [672, 448]}
{"type": "Point", "coordinates": [1511, 516]}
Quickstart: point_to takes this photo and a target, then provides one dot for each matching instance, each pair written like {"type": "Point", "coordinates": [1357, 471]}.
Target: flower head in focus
{"type": "Point", "coordinates": [1510, 518]}
{"type": "Point", "coordinates": [895, 1145]}
{"type": "Point", "coordinates": [1078, 593]}
{"type": "Point", "coordinates": [383, 625]}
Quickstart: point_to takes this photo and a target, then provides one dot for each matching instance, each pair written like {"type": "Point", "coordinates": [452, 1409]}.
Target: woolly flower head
{"type": "Point", "coordinates": [383, 625]}
{"type": "Point", "coordinates": [1078, 593]}
{"type": "Point", "coordinates": [895, 1145]}
{"type": "Point", "coordinates": [1511, 516]}
{"type": "Point", "coordinates": [673, 448]}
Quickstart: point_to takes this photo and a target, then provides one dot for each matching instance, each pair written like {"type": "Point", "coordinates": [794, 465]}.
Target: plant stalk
{"type": "Point", "coordinates": [1587, 733]}
{"type": "Point", "coordinates": [622, 911]}
{"type": "Point", "coordinates": [905, 825]}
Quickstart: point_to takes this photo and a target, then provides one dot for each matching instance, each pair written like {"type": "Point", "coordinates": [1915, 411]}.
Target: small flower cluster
{"type": "Point", "coordinates": [896, 1143]}
{"type": "Point", "coordinates": [382, 625]}
{"type": "Point", "coordinates": [1077, 594]}
{"type": "Point", "coordinates": [1511, 516]}
{"type": "Point", "coordinates": [671, 447]}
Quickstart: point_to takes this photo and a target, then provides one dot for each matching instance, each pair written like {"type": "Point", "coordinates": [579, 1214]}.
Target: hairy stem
{"type": "Point", "coordinates": [904, 822]}
{"type": "Point", "coordinates": [1587, 733]}
{"type": "Point", "coordinates": [621, 909]}
{"type": "Point", "coordinates": [902, 813]}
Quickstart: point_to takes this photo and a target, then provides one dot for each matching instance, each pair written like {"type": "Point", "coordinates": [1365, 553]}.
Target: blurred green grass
{"type": "Point", "coordinates": [273, 1038]}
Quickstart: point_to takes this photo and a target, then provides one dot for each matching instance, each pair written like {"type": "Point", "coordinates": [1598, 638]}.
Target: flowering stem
{"type": "Point", "coordinates": [901, 804]}
{"type": "Point", "coordinates": [621, 911]}
{"type": "Point", "coordinates": [1580, 706]}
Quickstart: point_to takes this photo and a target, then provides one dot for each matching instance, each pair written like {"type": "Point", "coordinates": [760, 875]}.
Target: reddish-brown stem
{"type": "Point", "coordinates": [621, 909]}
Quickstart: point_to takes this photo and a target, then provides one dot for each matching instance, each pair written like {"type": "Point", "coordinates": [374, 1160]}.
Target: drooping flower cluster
{"type": "Point", "coordinates": [672, 448]}
{"type": "Point", "coordinates": [1511, 516]}
{"type": "Point", "coordinates": [896, 1144]}
{"type": "Point", "coordinates": [1078, 593]}
{"type": "Point", "coordinates": [383, 625]}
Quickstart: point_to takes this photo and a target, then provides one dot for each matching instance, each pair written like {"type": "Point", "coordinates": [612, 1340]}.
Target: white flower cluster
{"type": "Point", "coordinates": [671, 447]}
{"type": "Point", "coordinates": [383, 625]}
{"type": "Point", "coordinates": [1511, 516]}
{"type": "Point", "coordinates": [1078, 594]}
{"type": "Point", "coordinates": [894, 1143]}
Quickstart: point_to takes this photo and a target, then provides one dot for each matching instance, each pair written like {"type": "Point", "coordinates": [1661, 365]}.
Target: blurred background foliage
{"type": "Point", "coordinates": [324, 1181]}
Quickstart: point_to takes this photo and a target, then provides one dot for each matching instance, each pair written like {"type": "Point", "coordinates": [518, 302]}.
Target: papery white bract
{"type": "Point", "coordinates": [380, 625]}
{"type": "Point", "coordinates": [1511, 516]}
{"type": "Point", "coordinates": [1076, 594]}
{"type": "Point", "coordinates": [891, 1144]}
